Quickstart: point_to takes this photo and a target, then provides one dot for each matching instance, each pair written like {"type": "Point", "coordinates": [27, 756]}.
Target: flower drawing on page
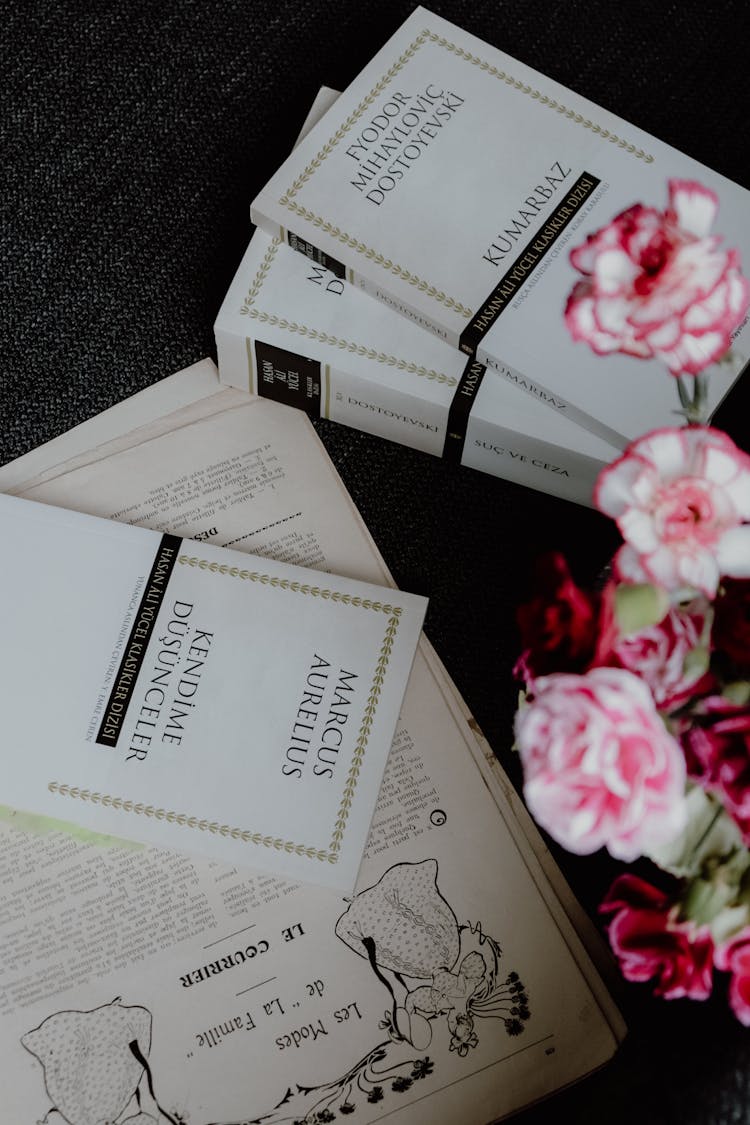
{"type": "Point", "coordinates": [443, 983]}
{"type": "Point", "coordinates": [409, 934]}
{"type": "Point", "coordinates": [657, 285]}
{"type": "Point", "coordinates": [441, 979]}
{"type": "Point", "coordinates": [634, 724]}
{"type": "Point", "coordinates": [96, 1063]}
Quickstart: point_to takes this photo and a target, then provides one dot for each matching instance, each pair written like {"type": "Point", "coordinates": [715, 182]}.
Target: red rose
{"type": "Point", "coordinates": [731, 631]}
{"type": "Point", "coordinates": [734, 957]}
{"type": "Point", "coordinates": [558, 626]}
{"type": "Point", "coordinates": [650, 944]}
{"type": "Point", "coordinates": [717, 751]}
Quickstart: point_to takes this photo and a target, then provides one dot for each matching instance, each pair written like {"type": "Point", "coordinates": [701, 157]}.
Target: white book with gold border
{"type": "Point", "coordinates": [196, 698]}
{"type": "Point", "coordinates": [452, 180]}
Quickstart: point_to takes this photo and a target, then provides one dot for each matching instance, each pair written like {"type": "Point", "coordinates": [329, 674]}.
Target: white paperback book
{"type": "Point", "coordinates": [198, 699]}
{"type": "Point", "coordinates": [451, 181]}
{"type": "Point", "coordinates": [289, 329]}
{"type": "Point", "coordinates": [146, 986]}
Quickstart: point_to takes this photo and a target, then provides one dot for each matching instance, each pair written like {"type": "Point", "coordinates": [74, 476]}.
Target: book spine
{"type": "Point", "coordinates": [555, 401]}
{"type": "Point", "coordinates": [301, 245]}
{"type": "Point", "coordinates": [447, 428]}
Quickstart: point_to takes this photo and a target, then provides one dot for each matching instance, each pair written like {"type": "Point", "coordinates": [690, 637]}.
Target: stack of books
{"type": "Point", "coordinates": [257, 862]}
{"type": "Point", "coordinates": [436, 202]}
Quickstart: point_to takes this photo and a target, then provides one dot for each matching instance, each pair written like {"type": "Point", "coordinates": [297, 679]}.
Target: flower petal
{"type": "Point", "coordinates": [614, 490]}
{"type": "Point", "coordinates": [733, 552]}
{"type": "Point", "coordinates": [694, 205]}
{"type": "Point", "coordinates": [667, 450]}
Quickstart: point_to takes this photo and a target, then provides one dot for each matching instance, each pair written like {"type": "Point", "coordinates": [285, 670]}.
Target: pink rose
{"type": "Point", "coordinates": [680, 498]}
{"type": "Point", "coordinates": [650, 943]}
{"type": "Point", "coordinates": [734, 957]}
{"type": "Point", "coordinates": [717, 750]}
{"type": "Point", "coordinates": [659, 654]}
{"type": "Point", "coordinates": [656, 284]}
{"type": "Point", "coordinates": [600, 768]}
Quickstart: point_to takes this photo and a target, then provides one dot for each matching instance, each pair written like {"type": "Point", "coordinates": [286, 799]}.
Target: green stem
{"type": "Point", "coordinates": [705, 834]}
{"type": "Point", "coordinates": [685, 399]}
{"type": "Point", "coordinates": [700, 397]}
{"type": "Point", "coordinates": [694, 406]}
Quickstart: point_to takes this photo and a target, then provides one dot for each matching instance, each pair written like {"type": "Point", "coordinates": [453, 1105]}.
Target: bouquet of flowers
{"type": "Point", "coordinates": [634, 725]}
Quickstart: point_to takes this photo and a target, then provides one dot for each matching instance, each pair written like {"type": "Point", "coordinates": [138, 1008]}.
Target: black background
{"type": "Point", "coordinates": [135, 135]}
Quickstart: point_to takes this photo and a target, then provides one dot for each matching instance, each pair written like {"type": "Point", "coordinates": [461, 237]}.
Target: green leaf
{"type": "Point", "coordinates": [696, 662]}
{"type": "Point", "coordinates": [639, 606]}
{"type": "Point", "coordinates": [738, 692]}
{"type": "Point", "coordinates": [710, 834]}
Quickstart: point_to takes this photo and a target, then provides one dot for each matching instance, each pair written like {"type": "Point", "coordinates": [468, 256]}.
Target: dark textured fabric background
{"type": "Point", "coordinates": [133, 138]}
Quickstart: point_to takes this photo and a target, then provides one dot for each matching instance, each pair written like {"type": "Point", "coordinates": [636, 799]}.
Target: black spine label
{"type": "Point", "coordinates": [302, 246]}
{"type": "Point", "coordinates": [287, 377]}
{"type": "Point", "coordinates": [137, 643]}
{"type": "Point", "coordinates": [460, 410]}
{"type": "Point", "coordinates": [527, 261]}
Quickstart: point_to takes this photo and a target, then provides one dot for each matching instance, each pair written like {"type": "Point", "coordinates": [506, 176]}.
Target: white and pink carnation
{"type": "Point", "coordinates": [681, 499]}
{"type": "Point", "coordinates": [657, 285]}
{"type": "Point", "coordinates": [660, 654]}
{"type": "Point", "coordinates": [600, 768]}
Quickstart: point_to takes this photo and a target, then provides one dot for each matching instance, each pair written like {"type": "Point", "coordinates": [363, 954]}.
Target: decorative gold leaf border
{"type": "Point", "coordinates": [287, 199]}
{"type": "Point", "coordinates": [257, 282]}
{"type": "Point", "coordinates": [543, 99]}
{"type": "Point", "coordinates": [212, 826]}
{"type": "Point", "coordinates": [185, 820]}
{"type": "Point", "coordinates": [326, 337]}
{"type": "Point", "coordinates": [380, 259]}
{"type": "Point", "coordinates": [288, 584]}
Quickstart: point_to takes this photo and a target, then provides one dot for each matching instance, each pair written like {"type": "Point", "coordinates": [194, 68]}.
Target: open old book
{"type": "Point", "coordinates": [138, 985]}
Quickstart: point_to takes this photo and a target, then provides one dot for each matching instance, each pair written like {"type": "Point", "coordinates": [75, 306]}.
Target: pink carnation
{"type": "Point", "coordinates": [656, 284]}
{"type": "Point", "coordinates": [680, 498]}
{"type": "Point", "coordinates": [600, 769]}
{"type": "Point", "coordinates": [659, 654]}
{"type": "Point", "coordinates": [651, 944]}
{"type": "Point", "coordinates": [734, 957]}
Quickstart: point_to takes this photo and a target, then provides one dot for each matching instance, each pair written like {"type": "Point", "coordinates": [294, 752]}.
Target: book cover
{"type": "Point", "coordinates": [453, 180]}
{"type": "Point", "coordinates": [196, 698]}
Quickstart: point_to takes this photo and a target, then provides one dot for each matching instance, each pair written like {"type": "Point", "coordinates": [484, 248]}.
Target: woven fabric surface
{"type": "Point", "coordinates": [133, 138]}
